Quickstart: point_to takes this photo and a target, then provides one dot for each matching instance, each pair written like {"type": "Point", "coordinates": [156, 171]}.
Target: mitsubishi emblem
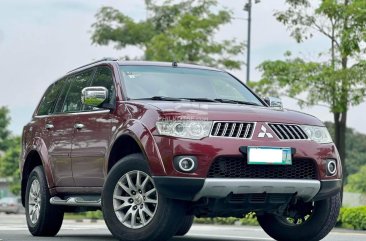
{"type": "Point", "coordinates": [264, 133]}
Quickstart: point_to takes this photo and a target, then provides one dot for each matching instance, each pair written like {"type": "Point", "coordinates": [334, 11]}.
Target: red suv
{"type": "Point", "coordinates": [154, 144]}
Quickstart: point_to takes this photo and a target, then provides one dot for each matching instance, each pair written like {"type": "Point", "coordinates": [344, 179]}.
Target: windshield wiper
{"type": "Point", "coordinates": [237, 102]}
{"type": "Point", "coordinates": [200, 99]}
{"type": "Point", "coordinates": [166, 98]}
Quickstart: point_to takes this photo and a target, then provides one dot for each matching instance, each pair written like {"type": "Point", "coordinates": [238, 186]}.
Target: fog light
{"type": "Point", "coordinates": [331, 167]}
{"type": "Point", "coordinates": [185, 163]}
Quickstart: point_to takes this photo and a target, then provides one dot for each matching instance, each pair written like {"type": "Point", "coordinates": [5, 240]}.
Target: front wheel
{"type": "Point", "coordinates": [132, 207]}
{"type": "Point", "coordinates": [305, 222]}
{"type": "Point", "coordinates": [185, 225]}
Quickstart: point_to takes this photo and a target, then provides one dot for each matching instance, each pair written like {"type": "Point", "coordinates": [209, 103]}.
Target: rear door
{"type": "Point", "coordinates": [56, 134]}
{"type": "Point", "coordinates": [92, 137]}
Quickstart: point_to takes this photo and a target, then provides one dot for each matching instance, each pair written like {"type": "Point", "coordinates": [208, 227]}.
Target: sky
{"type": "Point", "coordinates": [40, 40]}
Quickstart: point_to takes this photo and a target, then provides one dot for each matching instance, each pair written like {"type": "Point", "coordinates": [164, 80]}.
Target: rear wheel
{"type": "Point", "coordinates": [132, 207]}
{"type": "Point", "coordinates": [43, 219]}
{"type": "Point", "coordinates": [185, 225]}
{"type": "Point", "coordinates": [304, 221]}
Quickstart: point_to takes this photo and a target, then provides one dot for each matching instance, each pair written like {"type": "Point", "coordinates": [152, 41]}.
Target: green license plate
{"type": "Point", "coordinates": [269, 155]}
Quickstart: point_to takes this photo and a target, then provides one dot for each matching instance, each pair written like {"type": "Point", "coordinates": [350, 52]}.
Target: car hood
{"type": "Point", "coordinates": [229, 112]}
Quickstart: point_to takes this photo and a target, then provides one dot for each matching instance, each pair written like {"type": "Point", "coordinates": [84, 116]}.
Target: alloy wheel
{"type": "Point", "coordinates": [135, 199]}
{"type": "Point", "coordinates": [34, 203]}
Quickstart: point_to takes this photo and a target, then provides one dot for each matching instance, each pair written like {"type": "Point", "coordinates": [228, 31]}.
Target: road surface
{"type": "Point", "coordinates": [13, 228]}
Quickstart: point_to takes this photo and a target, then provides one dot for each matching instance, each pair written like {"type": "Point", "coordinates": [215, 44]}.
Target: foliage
{"type": "Point", "coordinates": [181, 31]}
{"type": "Point", "coordinates": [332, 81]}
{"type": "Point", "coordinates": [94, 214]}
{"type": "Point", "coordinates": [354, 218]}
{"type": "Point", "coordinates": [9, 162]}
{"type": "Point", "coordinates": [248, 219]}
{"type": "Point", "coordinates": [4, 132]}
{"type": "Point", "coordinates": [356, 182]}
{"type": "Point", "coordinates": [356, 147]}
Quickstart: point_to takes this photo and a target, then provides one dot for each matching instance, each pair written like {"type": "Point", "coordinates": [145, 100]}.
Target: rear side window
{"type": "Point", "coordinates": [50, 97]}
{"type": "Point", "coordinates": [78, 82]}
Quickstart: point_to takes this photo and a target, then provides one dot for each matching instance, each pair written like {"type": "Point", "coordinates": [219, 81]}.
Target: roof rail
{"type": "Point", "coordinates": [97, 61]}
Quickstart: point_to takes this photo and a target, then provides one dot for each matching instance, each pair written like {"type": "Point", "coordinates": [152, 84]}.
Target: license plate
{"type": "Point", "coordinates": [269, 155]}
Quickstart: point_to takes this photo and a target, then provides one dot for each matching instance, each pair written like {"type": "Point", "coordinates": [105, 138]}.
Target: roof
{"type": "Point", "coordinates": [166, 64]}
{"type": "Point", "coordinates": [142, 63]}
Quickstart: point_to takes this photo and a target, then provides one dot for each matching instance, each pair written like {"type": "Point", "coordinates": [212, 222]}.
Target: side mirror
{"type": "Point", "coordinates": [273, 102]}
{"type": "Point", "coordinates": [94, 96]}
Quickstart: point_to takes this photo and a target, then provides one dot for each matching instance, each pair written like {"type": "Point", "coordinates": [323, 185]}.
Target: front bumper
{"type": "Point", "coordinates": [192, 189]}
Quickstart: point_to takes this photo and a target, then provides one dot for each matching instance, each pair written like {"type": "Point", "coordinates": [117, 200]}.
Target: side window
{"type": "Point", "coordinates": [62, 96]}
{"type": "Point", "coordinates": [78, 82]}
{"type": "Point", "coordinates": [50, 97]}
{"type": "Point", "coordinates": [104, 77]}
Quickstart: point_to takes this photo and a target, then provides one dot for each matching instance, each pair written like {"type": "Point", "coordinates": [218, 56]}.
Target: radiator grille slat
{"type": "Point", "coordinates": [288, 131]}
{"type": "Point", "coordinates": [233, 129]}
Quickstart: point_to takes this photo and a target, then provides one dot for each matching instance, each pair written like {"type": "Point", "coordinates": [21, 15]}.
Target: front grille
{"type": "Point", "coordinates": [237, 167]}
{"type": "Point", "coordinates": [232, 129]}
{"type": "Point", "coordinates": [288, 132]}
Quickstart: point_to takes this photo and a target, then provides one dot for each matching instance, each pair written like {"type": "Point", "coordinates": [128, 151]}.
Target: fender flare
{"type": "Point", "coordinates": [144, 138]}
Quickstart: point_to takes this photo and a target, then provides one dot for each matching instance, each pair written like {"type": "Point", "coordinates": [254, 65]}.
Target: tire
{"type": "Point", "coordinates": [185, 225]}
{"type": "Point", "coordinates": [165, 214]}
{"type": "Point", "coordinates": [320, 222]}
{"type": "Point", "coordinates": [37, 203]}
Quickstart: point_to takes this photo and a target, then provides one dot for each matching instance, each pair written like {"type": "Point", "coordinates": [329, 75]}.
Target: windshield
{"type": "Point", "coordinates": [174, 83]}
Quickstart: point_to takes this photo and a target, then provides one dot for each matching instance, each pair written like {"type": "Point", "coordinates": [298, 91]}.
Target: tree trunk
{"type": "Point", "coordinates": [340, 122]}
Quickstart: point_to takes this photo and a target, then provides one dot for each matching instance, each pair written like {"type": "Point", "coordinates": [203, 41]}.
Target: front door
{"type": "Point", "coordinates": [92, 135]}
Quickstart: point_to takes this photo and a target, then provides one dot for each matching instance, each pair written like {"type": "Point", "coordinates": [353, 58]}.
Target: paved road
{"type": "Point", "coordinates": [13, 228]}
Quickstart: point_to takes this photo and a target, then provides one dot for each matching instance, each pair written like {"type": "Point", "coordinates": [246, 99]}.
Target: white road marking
{"type": "Point", "coordinates": [347, 234]}
{"type": "Point", "coordinates": [64, 227]}
{"type": "Point", "coordinates": [226, 236]}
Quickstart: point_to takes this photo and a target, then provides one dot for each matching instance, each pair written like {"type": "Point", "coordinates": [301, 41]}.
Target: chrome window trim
{"type": "Point", "coordinates": [74, 113]}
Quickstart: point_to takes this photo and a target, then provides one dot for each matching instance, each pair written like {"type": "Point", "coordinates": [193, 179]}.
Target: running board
{"type": "Point", "coordinates": [76, 202]}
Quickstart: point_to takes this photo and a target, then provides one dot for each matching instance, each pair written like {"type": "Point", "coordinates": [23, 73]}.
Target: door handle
{"type": "Point", "coordinates": [49, 126]}
{"type": "Point", "coordinates": [79, 126]}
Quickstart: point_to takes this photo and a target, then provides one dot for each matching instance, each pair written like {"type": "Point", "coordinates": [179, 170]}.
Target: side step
{"type": "Point", "coordinates": [76, 202]}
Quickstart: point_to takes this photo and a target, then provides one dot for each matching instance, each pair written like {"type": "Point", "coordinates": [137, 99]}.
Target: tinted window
{"type": "Point", "coordinates": [104, 77]}
{"type": "Point", "coordinates": [50, 97]}
{"type": "Point", "coordinates": [62, 96]}
{"type": "Point", "coordinates": [78, 82]}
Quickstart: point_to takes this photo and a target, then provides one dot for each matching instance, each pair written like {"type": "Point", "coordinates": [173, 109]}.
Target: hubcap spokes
{"type": "Point", "coordinates": [34, 201]}
{"type": "Point", "coordinates": [135, 199]}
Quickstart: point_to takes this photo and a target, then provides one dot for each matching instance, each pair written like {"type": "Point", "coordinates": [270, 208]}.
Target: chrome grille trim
{"type": "Point", "coordinates": [288, 131]}
{"type": "Point", "coordinates": [232, 129]}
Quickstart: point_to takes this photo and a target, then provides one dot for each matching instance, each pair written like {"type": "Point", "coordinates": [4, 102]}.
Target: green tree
{"type": "Point", "coordinates": [355, 146]}
{"type": "Point", "coordinates": [9, 164]}
{"type": "Point", "coordinates": [181, 31]}
{"type": "Point", "coordinates": [356, 182]}
{"type": "Point", "coordinates": [338, 79]}
{"type": "Point", "coordinates": [4, 132]}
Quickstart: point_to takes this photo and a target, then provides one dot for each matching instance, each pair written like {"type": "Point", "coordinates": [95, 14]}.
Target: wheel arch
{"type": "Point", "coordinates": [135, 139]}
{"type": "Point", "coordinates": [32, 160]}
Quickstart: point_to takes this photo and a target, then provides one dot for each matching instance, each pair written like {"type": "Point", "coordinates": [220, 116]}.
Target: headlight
{"type": "Point", "coordinates": [319, 134]}
{"type": "Point", "coordinates": [184, 129]}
